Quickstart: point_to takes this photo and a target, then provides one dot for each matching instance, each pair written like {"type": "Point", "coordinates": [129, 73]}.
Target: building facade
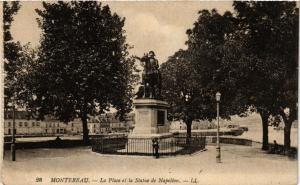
{"type": "Point", "coordinates": [26, 125]}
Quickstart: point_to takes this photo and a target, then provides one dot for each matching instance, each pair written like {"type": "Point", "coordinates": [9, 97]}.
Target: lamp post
{"type": "Point", "coordinates": [218, 149]}
{"type": "Point", "coordinates": [13, 145]}
{"type": "Point", "coordinates": [13, 138]}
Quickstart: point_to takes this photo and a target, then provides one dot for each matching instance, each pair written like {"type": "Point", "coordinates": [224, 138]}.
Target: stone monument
{"type": "Point", "coordinates": [150, 110]}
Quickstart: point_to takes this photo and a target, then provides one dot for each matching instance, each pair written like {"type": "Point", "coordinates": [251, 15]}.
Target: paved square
{"type": "Point", "coordinates": [240, 165]}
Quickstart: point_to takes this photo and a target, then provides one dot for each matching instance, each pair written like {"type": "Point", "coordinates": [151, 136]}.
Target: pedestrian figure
{"type": "Point", "coordinates": [155, 146]}
{"type": "Point", "coordinates": [57, 138]}
{"type": "Point", "coordinates": [275, 148]}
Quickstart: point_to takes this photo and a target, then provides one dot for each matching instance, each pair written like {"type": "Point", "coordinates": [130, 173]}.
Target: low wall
{"type": "Point", "coordinates": [229, 140]}
{"type": "Point", "coordinates": [46, 144]}
{"type": "Point", "coordinates": [206, 133]}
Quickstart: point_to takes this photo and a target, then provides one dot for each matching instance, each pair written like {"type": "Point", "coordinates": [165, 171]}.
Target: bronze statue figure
{"type": "Point", "coordinates": [151, 77]}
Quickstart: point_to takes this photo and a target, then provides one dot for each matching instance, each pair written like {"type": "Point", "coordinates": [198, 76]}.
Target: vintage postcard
{"type": "Point", "coordinates": [149, 92]}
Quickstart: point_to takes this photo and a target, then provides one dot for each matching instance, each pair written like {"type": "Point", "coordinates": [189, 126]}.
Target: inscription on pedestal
{"type": "Point", "coordinates": [144, 112]}
{"type": "Point", "coordinates": [143, 116]}
{"type": "Point", "coordinates": [150, 117]}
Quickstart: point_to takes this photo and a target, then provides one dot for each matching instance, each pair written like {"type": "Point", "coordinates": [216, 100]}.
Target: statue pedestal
{"type": "Point", "coordinates": [150, 123]}
{"type": "Point", "coordinates": [150, 117]}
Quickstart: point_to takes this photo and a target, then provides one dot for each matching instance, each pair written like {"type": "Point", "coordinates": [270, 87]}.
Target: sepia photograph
{"type": "Point", "coordinates": [149, 92]}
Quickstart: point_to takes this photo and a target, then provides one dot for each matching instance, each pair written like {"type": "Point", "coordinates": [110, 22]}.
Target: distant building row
{"type": "Point", "coordinates": [196, 125]}
{"type": "Point", "coordinates": [26, 125]}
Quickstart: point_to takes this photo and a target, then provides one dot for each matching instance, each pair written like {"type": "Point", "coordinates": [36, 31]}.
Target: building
{"type": "Point", "coordinates": [120, 126]}
{"type": "Point", "coordinates": [94, 125]}
{"type": "Point", "coordinates": [23, 124]}
{"type": "Point", "coordinates": [196, 125]}
{"type": "Point", "coordinates": [177, 125]}
{"type": "Point", "coordinates": [27, 125]}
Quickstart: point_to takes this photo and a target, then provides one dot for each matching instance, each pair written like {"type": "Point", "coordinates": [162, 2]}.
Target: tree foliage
{"type": "Point", "coordinates": [191, 78]}
{"type": "Point", "coordinates": [179, 87]}
{"type": "Point", "coordinates": [250, 56]}
{"type": "Point", "coordinates": [268, 36]}
{"type": "Point", "coordinates": [11, 50]}
{"type": "Point", "coordinates": [206, 42]}
{"type": "Point", "coordinates": [83, 66]}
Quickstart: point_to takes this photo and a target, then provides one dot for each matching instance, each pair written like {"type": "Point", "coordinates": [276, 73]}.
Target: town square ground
{"type": "Point", "coordinates": [240, 165]}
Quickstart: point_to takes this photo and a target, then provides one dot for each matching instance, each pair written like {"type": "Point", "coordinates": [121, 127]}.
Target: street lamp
{"type": "Point", "coordinates": [13, 139]}
{"type": "Point", "coordinates": [218, 156]}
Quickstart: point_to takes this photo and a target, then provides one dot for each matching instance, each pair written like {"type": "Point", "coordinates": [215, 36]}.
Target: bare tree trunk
{"type": "Point", "coordinates": [85, 130]}
{"type": "Point", "coordinates": [265, 141]}
{"type": "Point", "coordinates": [287, 128]}
{"type": "Point", "coordinates": [188, 131]}
{"type": "Point", "coordinates": [287, 135]}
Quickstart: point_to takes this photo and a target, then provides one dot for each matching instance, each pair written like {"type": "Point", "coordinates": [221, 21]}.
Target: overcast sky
{"type": "Point", "coordinates": [158, 26]}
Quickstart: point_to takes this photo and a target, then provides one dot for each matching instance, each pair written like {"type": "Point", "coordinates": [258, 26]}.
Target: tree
{"type": "Point", "coordinates": [268, 32]}
{"type": "Point", "coordinates": [191, 78]}
{"type": "Point", "coordinates": [288, 108]}
{"type": "Point", "coordinates": [179, 89]}
{"type": "Point", "coordinates": [206, 42]}
{"type": "Point", "coordinates": [254, 54]}
{"type": "Point", "coordinates": [11, 51]}
{"type": "Point", "coordinates": [83, 66]}
{"type": "Point", "coordinates": [248, 58]}
{"type": "Point", "coordinates": [25, 74]}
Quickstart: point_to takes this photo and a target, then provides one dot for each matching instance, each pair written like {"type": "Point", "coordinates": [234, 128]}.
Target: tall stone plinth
{"type": "Point", "coordinates": [150, 117]}
{"type": "Point", "coordinates": [150, 123]}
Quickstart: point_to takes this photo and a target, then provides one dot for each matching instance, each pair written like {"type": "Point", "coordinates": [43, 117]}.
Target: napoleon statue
{"type": "Point", "coordinates": [151, 77]}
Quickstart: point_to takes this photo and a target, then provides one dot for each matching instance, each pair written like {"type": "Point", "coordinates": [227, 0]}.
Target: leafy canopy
{"type": "Point", "coordinates": [192, 77]}
{"type": "Point", "coordinates": [83, 65]}
{"type": "Point", "coordinates": [11, 51]}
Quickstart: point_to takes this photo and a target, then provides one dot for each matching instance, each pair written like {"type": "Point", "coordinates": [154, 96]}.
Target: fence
{"type": "Point", "coordinates": [142, 146]}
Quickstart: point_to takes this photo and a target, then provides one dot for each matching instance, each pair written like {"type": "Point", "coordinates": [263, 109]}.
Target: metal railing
{"type": "Point", "coordinates": [144, 146]}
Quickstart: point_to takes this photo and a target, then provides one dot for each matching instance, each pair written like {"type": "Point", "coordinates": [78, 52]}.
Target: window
{"type": "Point", "coordinates": [9, 116]}
{"type": "Point", "coordinates": [72, 124]}
{"type": "Point", "coordinates": [25, 124]}
{"type": "Point", "coordinates": [20, 124]}
{"type": "Point", "coordinates": [37, 124]}
{"type": "Point", "coordinates": [8, 124]}
{"type": "Point", "coordinates": [33, 124]}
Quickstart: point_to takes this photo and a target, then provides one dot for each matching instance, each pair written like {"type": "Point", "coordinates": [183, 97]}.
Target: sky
{"type": "Point", "coordinates": [159, 26]}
